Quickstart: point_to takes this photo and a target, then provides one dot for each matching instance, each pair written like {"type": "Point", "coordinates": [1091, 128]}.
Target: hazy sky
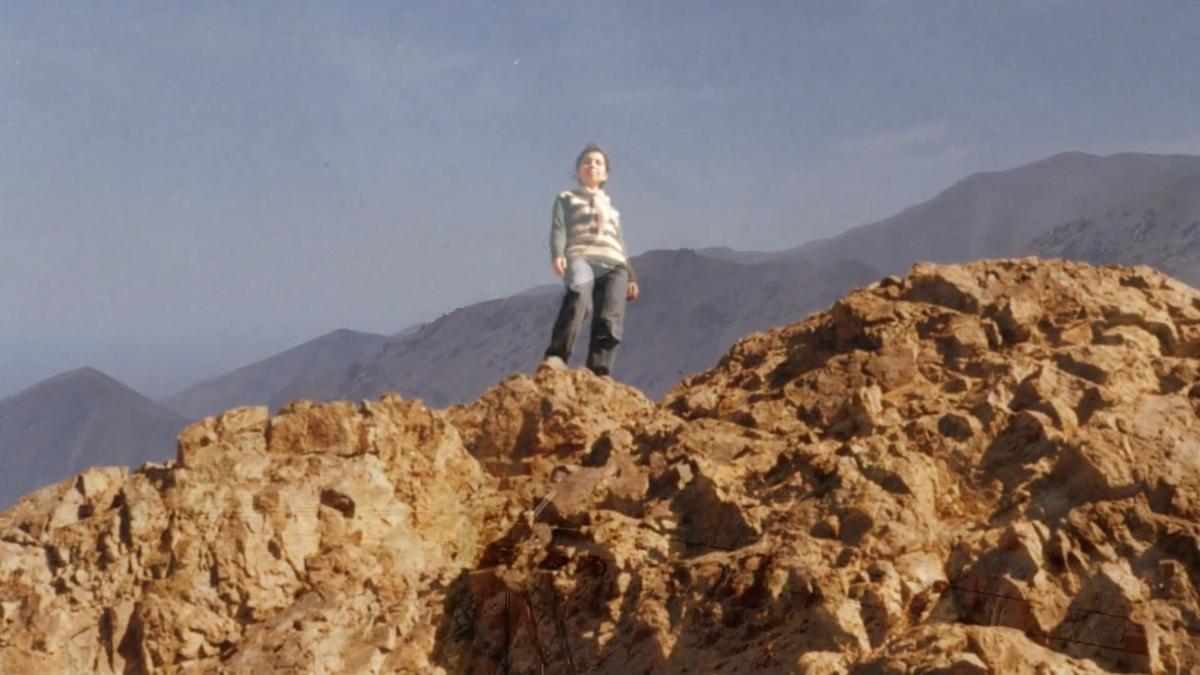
{"type": "Point", "coordinates": [187, 187]}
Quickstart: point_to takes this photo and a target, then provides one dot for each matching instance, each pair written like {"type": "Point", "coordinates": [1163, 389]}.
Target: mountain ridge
{"type": "Point", "coordinates": [1160, 227]}
{"type": "Point", "coordinates": [1003, 209]}
{"type": "Point", "coordinates": [65, 423]}
{"type": "Point", "coordinates": [691, 309]}
{"type": "Point", "coordinates": [1089, 182]}
{"type": "Point", "coordinates": [257, 383]}
{"type": "Point", "coordinates": [682, 325]}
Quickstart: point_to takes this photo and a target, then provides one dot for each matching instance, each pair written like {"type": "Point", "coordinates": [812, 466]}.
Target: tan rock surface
{"type": "Point", "coordinates": [983, 468]}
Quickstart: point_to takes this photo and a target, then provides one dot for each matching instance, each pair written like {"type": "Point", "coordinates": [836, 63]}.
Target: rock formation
{"type": "Point", "coordinates": [981, 468]}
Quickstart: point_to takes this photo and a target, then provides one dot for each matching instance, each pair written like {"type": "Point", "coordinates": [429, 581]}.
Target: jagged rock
{"type": "Point", "coordinates": [982, 468]}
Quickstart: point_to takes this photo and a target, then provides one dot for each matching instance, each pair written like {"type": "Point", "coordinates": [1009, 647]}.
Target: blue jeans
{"type": "Point", "coordinates": [591, 284]}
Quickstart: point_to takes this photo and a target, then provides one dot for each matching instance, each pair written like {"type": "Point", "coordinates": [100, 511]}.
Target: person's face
{"type": "Point", "coordinates": [592, 170]}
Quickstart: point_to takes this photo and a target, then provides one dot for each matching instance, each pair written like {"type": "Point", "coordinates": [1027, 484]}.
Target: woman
{"type": "Point", "coordinates": [588, 252]}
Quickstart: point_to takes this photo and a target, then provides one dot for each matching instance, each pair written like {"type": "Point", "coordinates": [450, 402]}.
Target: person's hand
{"type": "Point", "coordinates": [632, 293]}
{"type": "Point", "coordinates": [559, 265]}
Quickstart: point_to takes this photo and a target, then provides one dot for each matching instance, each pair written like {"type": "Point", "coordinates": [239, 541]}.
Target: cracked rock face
{"type": "Point", "coordinates": [982, 468]}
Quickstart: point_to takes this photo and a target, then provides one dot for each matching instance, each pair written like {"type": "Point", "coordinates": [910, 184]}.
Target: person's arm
{"type": "Point", "coordinates": [558, 238]}
{"type": "Point", "coordinates": [625, 250]}
{"type": "Point", "coordinates": [634, 290]}
{"type": "Point", "coordinates": [632, 294]}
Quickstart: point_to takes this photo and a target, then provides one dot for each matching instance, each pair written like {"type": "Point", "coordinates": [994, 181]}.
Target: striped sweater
{"type": "Point", "coordinates": [586, 225]}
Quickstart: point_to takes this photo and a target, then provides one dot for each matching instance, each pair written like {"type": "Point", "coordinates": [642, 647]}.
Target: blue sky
{"type": "Point", "coordinates": [187, 187]}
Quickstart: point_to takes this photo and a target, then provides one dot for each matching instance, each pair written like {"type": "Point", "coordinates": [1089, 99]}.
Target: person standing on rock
{"type": "Point", "coordinates": [589, 253]}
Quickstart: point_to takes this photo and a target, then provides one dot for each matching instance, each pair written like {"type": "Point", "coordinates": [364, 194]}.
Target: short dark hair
{"type": "Point", "coordinates": [592, 147]}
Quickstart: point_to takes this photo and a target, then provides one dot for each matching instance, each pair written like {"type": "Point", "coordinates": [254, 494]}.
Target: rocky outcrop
{"type": "Point", "coordinates": [314, 538]}
{"type": "Point", "coordinates": [981, 468]}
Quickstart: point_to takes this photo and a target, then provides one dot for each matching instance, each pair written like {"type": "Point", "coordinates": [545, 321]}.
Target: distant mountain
{"type": "Point", "coordinates": [1160, 228]}
{"type": "Point", "coordinates": [1127, 208]}
{"type": "Point", "coordinates": [259, 382]}
{"type": "Point", "coordinates": [691, 309]}
{"type": "Point", "coordinates": [409, 330]}
{"type": "Point", "coordinates": [734, 255]}
{"type": "Point", "coordinates": [996, 214]}
{"type": "Point", "coordinates": [75, 420]}
{"type": "Point", "coordinates": [697, 302]}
